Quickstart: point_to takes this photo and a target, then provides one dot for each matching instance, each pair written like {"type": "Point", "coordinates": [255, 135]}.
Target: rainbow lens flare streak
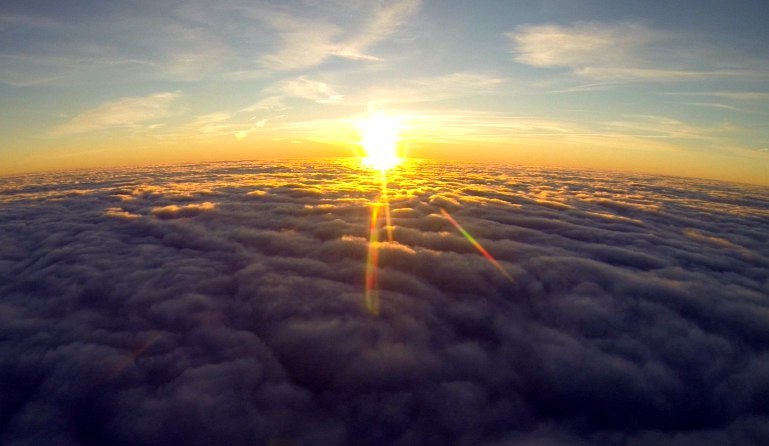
{"type": "Point", "coordinates": [372, 264]}
{"type": "Point", "coordinates": [477, 245]}
{"type": "Point", "coordinates": [132, 357]}
{"type": "Point", "coordinates": [384, 199]}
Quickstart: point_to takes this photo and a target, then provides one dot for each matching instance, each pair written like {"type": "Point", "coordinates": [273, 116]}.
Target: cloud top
{"type": "Point", "coordinates": [222, 303]}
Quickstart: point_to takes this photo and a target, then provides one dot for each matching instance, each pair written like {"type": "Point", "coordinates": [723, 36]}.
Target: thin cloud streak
{"type": "Point", "coordinates": [580, 44]}
{"type": "Point", "coordinates": [623, 51]}
{"type": "Point", "coordinates": [746, 96]}
{"type": "Point", "coordinates": [638, 132]}
{"type": "Point", "coordinates": [186, 42]}
{"type": "Point", "coordinates": [305, 88]}
{"type": "Point", "coordinates": [120, 113]}
{"type": "Point", "coordinates": [307, 42]}
{"type": "Point", "coordinates": [654, 126]}
{"type": "Point", "coordinates": [426, 89]}
{"type": "Point", "coordinates": [387, 18]}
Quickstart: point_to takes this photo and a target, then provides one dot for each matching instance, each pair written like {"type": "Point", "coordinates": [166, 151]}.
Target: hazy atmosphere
{"type": "Point", "coordinates": [674, 87]}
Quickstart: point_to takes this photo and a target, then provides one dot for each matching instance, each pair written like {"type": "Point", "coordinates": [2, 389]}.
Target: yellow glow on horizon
{"type": "Point", "coordinates": [379, 138]}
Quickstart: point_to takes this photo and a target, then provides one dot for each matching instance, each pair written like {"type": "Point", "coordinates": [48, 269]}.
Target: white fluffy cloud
{"type": "Point", "coordinates": [223, 304]}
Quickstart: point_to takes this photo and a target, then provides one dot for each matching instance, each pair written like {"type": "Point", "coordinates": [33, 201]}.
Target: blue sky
{"type": "Point", "coordinates": [677, 87]}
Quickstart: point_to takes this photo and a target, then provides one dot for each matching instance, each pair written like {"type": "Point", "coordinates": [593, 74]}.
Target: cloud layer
{"type": "Point", "coordinates": [623, 51]}
{"type": "Point", "coordinates": [190, 41]}
{"type": "Point", "coordinates": [223, 304]}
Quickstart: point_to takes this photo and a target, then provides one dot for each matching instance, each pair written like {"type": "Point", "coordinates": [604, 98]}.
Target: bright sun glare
{"type": "Point", "coordinates": [379, 138]}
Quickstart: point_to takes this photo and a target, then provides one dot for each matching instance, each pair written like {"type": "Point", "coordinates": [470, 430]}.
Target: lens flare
{"type": "Point", "coordinates": [477, 245]}
{"type": "Point", "coordinates": [385, 200]}
{"type": "Point", "coordinates": [372, 264]}
{"type": "Point", "coordinates": [131, 358]}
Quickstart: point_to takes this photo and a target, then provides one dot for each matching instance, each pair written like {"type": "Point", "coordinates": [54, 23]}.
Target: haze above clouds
{"type": "Point", "coordinates": [663, 87]}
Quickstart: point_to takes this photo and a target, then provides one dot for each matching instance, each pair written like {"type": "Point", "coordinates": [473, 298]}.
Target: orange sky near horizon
{"type": "Point", "coordinates": [632, 89]}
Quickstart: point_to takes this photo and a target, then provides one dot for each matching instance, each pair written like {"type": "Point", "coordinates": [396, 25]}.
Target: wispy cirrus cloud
{"type": "Point", "coordinates": [479, 126]}
{"type": "Point", "coordinates": [426, 89]}
{"type": "Point", "coordinates": [306, 88]}
{"type": "Point", "coordinates": [243, 122]}
{"type": "Point", "coordinates": [281, 97]}
{"type": "Point", "coordinates": [655, 126]}
{"type": "Point", "coordinates": [457, 84]}
{"type": "Point", "coordinates": [25, 70]}
{"type": "Point", "coordinates": [222, 124]}
{"type": "Point", "coordinates": [304, 42]}
{"type": "Point", "coordinates": [188, 41]}
{"type": "Point", "coordinates": [423, 89]}
{"type": "Point", "coordinates": [52, 49]}
{"type": "Point", "coordinates": [270, 103]}
{"type": "Point", "coordinates": [748, 96]}
{"type": "Point", "coordinates": [385, 20]}
{"type": "Point", "coordinates": [738, 101]}
{"type": "Point", "coordinates": [624, 51]}
{"type": "Point", "coordinates": [638, 134]}
{"type": "Point", "coordinates": [120, 113]}
{"type": "Point", "coordinates": [16, 21]}
{"type": "Point", "coordinates": [212, 123]}
{"type": "Point", "coordinates": [580, 45]}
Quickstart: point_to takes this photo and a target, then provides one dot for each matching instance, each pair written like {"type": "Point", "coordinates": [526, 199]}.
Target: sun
{"type": "Point", "coordinates": [379, 138]}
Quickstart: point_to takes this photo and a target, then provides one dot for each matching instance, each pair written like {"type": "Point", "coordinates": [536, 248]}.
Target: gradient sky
{"type": "Point", "coordinates": [675, 87]}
